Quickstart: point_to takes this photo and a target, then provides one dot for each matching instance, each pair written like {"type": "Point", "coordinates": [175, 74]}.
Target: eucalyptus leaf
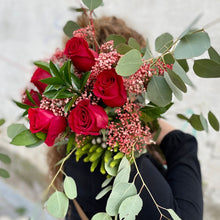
{"type": "Point", "coordinates": [107, 181]}
{"type": "Point", "coordinates": [130, 207]}
{"type": "Point", "coordinates": [103, 192]}
{"type": "Point", "coordinates": [183, 117]}
{"type": "Point", "coordinates": [92, 4]}
{"type": "Point", "coordinates": [101, 216]}
{"type": "Point", "coordinates": [204, 122]}
{"type": "Point", "coordinates": [163, 42]}
{"type": "Point", "coordinates": [206, 68]}
{"type": "Point", "coordinates": [129, 63]}
{"type": "Point", "coordinates": [168, 58]}
{"type": "Point", "coordinates": [213, 121]}
{"type": "Point", "coordinates": [15, 129]}
{"type": "Point", "coordinates": [173, 214]}
{"type": "Point", "coordinates": [5, 158]}
{"type": "Point", "coordinates": [43, 65]}
{"type": "Point", "coordinates": [69, 27]}
{"type": "Point", "coordinates": [24, 138]}
{"type": "Point", "coordinates": [123, 49]}
{"type": "Point", "coordinates": [196, 123]}
{"type": "Point", "coordinates": [69, 186]}
{"type": "Point", "coordinates": [134, 44]}
{"type": "Point", "coordinates": [159, 92]}
{"type": "Point", "coordinates": [183, 63]}
{"type": "Point", "coordinates": [118, 39]}
{"type": "Point", "coordinates": [192, 45]}
{"type": "Point", "coordinates": [213, 54]}
{"type": "Point", "coordinates": [4, 173]}
{"type": "Point", "coordinates": [57, 204]}
{"type": "Point", "coordinates": [110, 170]}
{"type": "Point", "coordinates": [148, 54]}
{"type": "Point", "coordinates": [119, 193]}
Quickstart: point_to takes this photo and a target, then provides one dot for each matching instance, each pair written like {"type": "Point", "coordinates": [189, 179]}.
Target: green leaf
{"type": "Point", "coordinates": [15, 129]}
{"type": "Point", "coordinates": [189, 28]}
{"type": "Point", "coordinates": [118, 39]}
{"type": "Point", "coordinates": [129, 63]}
{"type": "Point", "coordinates": [177, 93]}
{"type": "Point", "coordinates": [21, 105]}
{"type": "Point", "coordinates": [213, 54]}
{"type": "Point", "coordinates": [84, 79]}
{"type": "Point", "coordinates": [101, 216]}
{"type": "Point", "coordinates": [195, 121]}
{"type": "Point", "coordinates": [69, 186]}
{"type": "Point", "coordinates": [54, 70]}
{"type": "Point", "coordinates": [183, 117]}
{"type": "Point", "coordinates": [53, 81]}
{"type": "Point", "coordinates": [192, 45]}
{"type": "Point", "coordinates": [177, 68]}
{"type": "Point", "coordinates": [204, 122]}
{"type": "Point", "coordinates": [123, 49]}
{"type": "Point", "coordinates": [69, 27]}
{"type": "Point", "coordinates": [163, 42]}
{"type": "Point", "coordinates": [168, 58]}
{"type": "Point", "coordinates": [110, 170]}
{"type": "Point", "coordinates": [92, 4]}
{"type": "Point", "coordinates": [70, 103]}
{"type": "Point", "coordinates": [41, 135]}
{"type": "Point", "coordinates": [70, 143]}
{"type": "Point", "coordinates": [177, 81]}
{"type": "Point", "coordinates": [51, 93]}
{"type": "Point", "coordinates": [43, 65]}
{"type": "Point", "coordinates": [76, 81]}
{"type": "Point", "coordinates": [24, 138]}
{"type": "Point", "coordinates": [159, 92]}
{"type": "Point", "coordinates": [119, 193]}
{"type": "Point", "coordinates": [4, 173]}
{"type": "Point", "coordinates": [183, 63]}
{"type": "Point", "coordinates": [57, 204]}
{"type": "Point", "coordinates": [148, 54]}
{"type": "Point", "coordinates": [213, 121]}
{"type": "Point", "coordinates": [134, 44]}
{"type": "Point", "coordinates": [5, 158]}
{"type": "Point", "coordinates": [130, 207]}
{"type": "Point", "coordinates": [206, 68]}
{"type": "Point", "coordinates": [30, 97]}
{"type": "Point", "coordinates": [38, 143]}
{"type": "Point", "coordinates": [107, 181]}
{"type": "Point", "coordinates": [2, 121]}
{"type": "Point", "coordinates": [103, 192]}
{"type": "Point", "coordinates": [63, 93]}
{"type": "Point", "coordinates": [173, 214]}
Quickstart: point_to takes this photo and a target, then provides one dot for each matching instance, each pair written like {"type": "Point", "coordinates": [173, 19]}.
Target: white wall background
{"type": "Point", "coordinates": [32, 30]}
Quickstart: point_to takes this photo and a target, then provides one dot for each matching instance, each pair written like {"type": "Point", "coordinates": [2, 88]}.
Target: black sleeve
{"type": "Point", "coordinates": [183, 173]}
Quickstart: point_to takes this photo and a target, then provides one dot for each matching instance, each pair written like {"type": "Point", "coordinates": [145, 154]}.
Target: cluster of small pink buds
{"type": "Point", "coordinates": [85, 33]}
{"type": "Point", "coordinates": [129, 133]}
{"type": "Point", "coordinates": [58, 57]}
{"type": "Point", "coordinates": [107, 47]}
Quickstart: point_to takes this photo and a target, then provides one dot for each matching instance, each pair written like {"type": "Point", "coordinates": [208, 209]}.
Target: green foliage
{"type": "Point", "coordinates": [4, 173]}
{"type": "Point", "coordinates": [173, 214]}
{"type": "Point", "coordinates": [109, 169]}
{"type": "Point", "coordinates": [118, 39]}
{"type": "Point", "coordinates": [119, 193]}
{"type": "Point", "coordinates": [123, 49]}
{"type": "Point", "coordinates": [159, 92]}
{"type": "Point", "coordinates": [69, 27]}
{"type": "Point", "coordinates": [206, 68]}
{"type": "Point", "coordinates": [130, 207]}
{"type": "Point", "coordinates": [69, 186]}
{"type": "Point", "coordinates": [57, 204]}
{"type": "Point", "coordinates": [192, 45]}
{"type": "Point", "coordinates": [213, 121]}
{"type": "Point", "coordinates": [134, 44]}
{"type": "Point", "coordinates": [2, 121]}
{"type": "Point", "coordinates": [103, 192]}
{"type": "Point", "coordinates": [15, 129]}
{"type": "Point", "coordinates": [107, 181]}
{"type": "Point", "coordinates": [101, 216]}
{"type": "Point", "coordinates": [92, 4]}
{"type": "Point", "coordinates": [129, 63]}
{"type": "Point", "coordinates": [43, 65]}
{"type": "Point", "coordinates": [213, 54]}
{"type": "Point", "coordinates": [163, 42]}
{"type": "Point", "coordinates": [5, 158]}
{"type": "Point", "coordinates": [148, 53]}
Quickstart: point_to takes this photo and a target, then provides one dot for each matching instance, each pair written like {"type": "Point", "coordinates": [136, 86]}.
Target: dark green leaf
{"type": "Point", "coordinates": [134, 44]}
{"type": "Point", "coordinates": [15, 129]}
{"type": "Point", "coordinates": [69, 27]}
{"type": "Point", "coordinates": [4, 173]}
{"type": "Point", "coordinates": [70, 143]}
{"type": "Point", "coordinates": [51, 93]}
{"type": "Point", "coordinates": [66, 72]}
{"type": "Point", "coordinates": [92, 4]}
{"type": "Point", "coordinates": [21, 105]}
{"type": "Point", "coordinates": [37, 144]}
{"type": "Point", "coordinates": [213, 54]}
{"type": "Point", "coordinates": [183, 117]}
{"type": "Point", "coordinates": [63, 93]}
{"type": "Point", "coordinates": [192, 45]}
{"type": "Point", "coordinates": [43, 65]}
{"type": "Point", "coordinates": [70, 103]}
{"type": "Point", "coordinates": [206, 68]}
{"type": "Point", "coordinates": [5, 158]}
{"type": "Point", "coordinates": [54, 70]}
{"type": "Point", "coordinates": [2, 121]}
{"type": "Point", "coordinates": [53, 81]}
{"type": "Point", "coordinates": [159, 92]}
{"type": "Point", "coordinates": [168, 58]}
{"type": "Point", "coordinates": [183, 63]}
{"type": "Point", "coordinates": [129, 63]}
{"type": "Point", "coordinates": [84, 79]}
{"type": "Point", "coordinates": [24, 138]}
{"type": "Point", "coordinates": [118, 39]}
{"type": "Point", "coordinates": [163, 42]}
{"type": "Point", "coordinates": [30, 97]}
{"type": "Point", "coordinates": [123, 49]}
{"type": "Point", "coordinates": [195, 121]}
{"type": "Point", "coordinates": [213, 121]}
{"type": "Point", "coordinates": [177, 81]}
{"type": "Point", "coordinates": [76, 81]}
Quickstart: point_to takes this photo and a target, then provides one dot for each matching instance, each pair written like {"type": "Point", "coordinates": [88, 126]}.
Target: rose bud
{"type": "Point", "coordinates": [83, 58]}
{"type": "Point", "coordinates": [110, 88]}
{"type": "Point", "coordinates": [87, 119]}
{"type": "Point", "coordinates": [37, 76]}
{"type": "Point", "coordinates": [45, 121]}
{"type": "Point", "coordinates": [35, 97]}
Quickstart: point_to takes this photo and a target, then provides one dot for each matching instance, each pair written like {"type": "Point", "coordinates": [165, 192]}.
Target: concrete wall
{"type": "Point", "coordinates": [32, 30]}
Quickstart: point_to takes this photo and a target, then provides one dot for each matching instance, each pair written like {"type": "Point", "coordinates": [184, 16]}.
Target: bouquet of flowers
{"type": "Point", "coordinates": [103, 101]}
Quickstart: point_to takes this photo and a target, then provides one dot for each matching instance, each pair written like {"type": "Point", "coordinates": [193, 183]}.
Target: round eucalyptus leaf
{"type": "Point", "coordinates": [159, 92]}
{"type": "Point", "coordinates": [69, 186]}
{"type": "Point", "coordinates": [134, 44]}
{"type": "Point", "coordinates": [130, 207]}
{"type": "Point", "coordinates": [192, 45]}
{"type": "Point", "coordinates": [213, 54]}
{"type": "Point", "coordinates": [14, 129]}
{"type": "Point", "coordinates": [195, 121]}
{"type": "Point", "coordinates": [163, 42]}
{"type": "Point", "coordinates": [129, 63]}
{"type": "Point", "coordinates": [57, 204]}
{"type": "Point", "coordinates": [118, 39]}
{"type": "Point", "coordinates": [92, 4]}
{"type": "Point", "coordinates": [69, 27]}
{"type": "Point", "coordinates": [111, 170]}
{"type": "Point", "coordinates": [213, 121]}
{"type": "Point", "coordinates": [101, 216]}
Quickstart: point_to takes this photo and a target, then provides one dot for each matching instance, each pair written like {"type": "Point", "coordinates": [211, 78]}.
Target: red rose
{"type": "Point", "coordinates": [35, 97]}
{"type": "Point", "coordinates": [45, 121]}
{"type": "Point", "coordinates": [110, 88]}
{"type": "Point", "coordinates": [37, 76]}
{"type": "Point", "coordinates": [83, 58]}
{"type": "Point", "coordinates": [87, 119]}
